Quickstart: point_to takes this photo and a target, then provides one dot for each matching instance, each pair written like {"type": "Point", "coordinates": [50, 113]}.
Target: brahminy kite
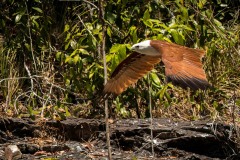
{"type": "Point", "coordinates": [183, 66]}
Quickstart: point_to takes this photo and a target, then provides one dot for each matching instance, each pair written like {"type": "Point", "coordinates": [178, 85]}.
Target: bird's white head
{"type": "Point", "coordinates": [145, 47]}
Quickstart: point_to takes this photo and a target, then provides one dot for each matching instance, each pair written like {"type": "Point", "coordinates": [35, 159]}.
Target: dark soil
{"type": "Point", "coordinates": [130, 139]}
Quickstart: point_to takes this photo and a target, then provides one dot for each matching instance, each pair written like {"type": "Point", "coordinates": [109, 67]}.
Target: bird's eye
{"type": "Point", "coordinates": [137, 47]}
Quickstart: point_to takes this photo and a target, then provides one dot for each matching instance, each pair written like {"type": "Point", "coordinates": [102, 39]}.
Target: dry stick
{"type": "Point", "coordinates": [151, 117]}
{"type": "Point", "coordinates": [45, 103]}
{"type": "Point", "coordinates": [30, 37]}
{"type": "Point", "coordinates": [101, 16]}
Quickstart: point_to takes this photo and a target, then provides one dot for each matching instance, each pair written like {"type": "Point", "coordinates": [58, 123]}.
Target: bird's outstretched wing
{"type": "Point", "coordinates": [134, 67]}
{"type": "Point", "coordinates": [183, 66]}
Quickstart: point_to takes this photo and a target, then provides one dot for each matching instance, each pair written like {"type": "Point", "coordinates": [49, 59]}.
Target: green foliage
{"type": "Point", "coordinates": [50, 55]}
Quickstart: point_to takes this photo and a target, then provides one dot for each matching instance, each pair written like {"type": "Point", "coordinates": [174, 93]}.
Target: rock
{"type": "Point", "coordinates": [130, 139]}
{"type": "Point", "coordinates": [12, 152]}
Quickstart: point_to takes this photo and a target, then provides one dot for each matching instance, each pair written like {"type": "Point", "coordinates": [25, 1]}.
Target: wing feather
{"type": "Point", "coordinates": [183, 66]}
{"type": "Point", "coordinates": [134, 67]}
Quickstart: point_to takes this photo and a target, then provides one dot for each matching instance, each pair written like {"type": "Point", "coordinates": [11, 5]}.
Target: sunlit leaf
{"type": "Point", "coordinates": [109, 32]}
{"type": "Point", "coordinates": [133, 33]}
{"type": "Point", "coordinates": [115, 48]}
{"type": "Point", "coordinates": [58, 55]}
{"type": "Point", "coordinates": [67, 113]}
{"type": "Point", "coordinates": [68, 59]}
{"type": "Point", "coordinates": [68, 37]}
{"type": "Point", "coordinates": [73, 53]}
{"type": "Point", "coordinates": [66, 27]}
{"type": "Point", "coordinates": [18, 18]}
{"type": "Point", "coordinates": [76, 59]}
{"type": "Point", "coordinates": [109, 57]}
{"type": "Point", "coordinates": [67, 45]}
{"type": "Point", "coordinates": [83, 51]}
{"type": "Point", "coordinates": [67, 82]}
{"type": "Point", "coordinates": [155, 78]}
{"type": "Point", "coordinates": [89, 26]}
{"type": "Point", "coordinates": [162, 92]}
{"type": "Point", "coordinates": [146, 15]}
{"type": "Point", "coordinates": [201, 3]}
{"type": "Point", "coordinates": [73, 44]}
{"type": "Point", "coordinates": [122, 52]}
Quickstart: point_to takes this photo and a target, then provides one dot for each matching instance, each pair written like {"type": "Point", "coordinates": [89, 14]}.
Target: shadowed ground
{"type": "Point", "coordinates": [85, 139]}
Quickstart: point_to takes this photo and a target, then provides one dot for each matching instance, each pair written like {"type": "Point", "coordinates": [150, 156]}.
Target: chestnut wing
{"type": "Point", "coordinates": [134, 67]}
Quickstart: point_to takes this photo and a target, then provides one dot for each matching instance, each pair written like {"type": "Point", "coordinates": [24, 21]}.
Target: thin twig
{"type": "Point", "coordinates": [90, 4]}
{"type": "Point", "coordinates": [79, 17]}
{"type": "Point", "coordinates": [45, 103]}
{"type": "Point", "coordinates": [103, 45]}
{"type": "Point", "coordinates": [17, 78]}
{"type": "Point", "coordinates": [150, 110]}
{"type": "Point", "coordinates": [29, 74]}
{"type": "Point", "coordinates": [30, 37]}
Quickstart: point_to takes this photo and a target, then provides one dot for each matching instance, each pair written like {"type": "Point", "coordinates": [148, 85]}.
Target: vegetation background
{"type": "Point", "coordinates": [50, 61]}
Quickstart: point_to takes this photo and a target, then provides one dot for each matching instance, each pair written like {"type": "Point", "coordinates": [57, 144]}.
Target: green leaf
{"type": "Point", "coordinates": [109, 32]}
{"type": "Point", "coordinates": [73, 53]}
{"type": "Point", "coordinates": [178, 38]}
{"type": "Point", "coordinates": [133, 33]}
{"type": "Point", "coordinates": [202, 3]}
{"type": "Point", "coordinates": [122, 52]}
{"type": "Point", "coordinates": [67, 45]}
{"type": "Point", "coordinates": [124, 112]}
{"type": "Point", "coordinates": [36, 23]}
{"type": "Point", "coordinates": [161, 93]}
{"type": "Point", "coordinates": [109, 57]}
{"type": "Point", "coordinates": [35, 17]}
{"type": "Point", "coordinates": [67, 112]}
{"type": "Point", "coordinates": [148, 23]}
{"type": "Point", "coordinates": [68, 60]}
{"type": "Point", "coordinates": [168, 97]}
{"type": "Point", "coordinates": [27, 46]}
{"type": "Point", "coordinates": [89, 26]}
{"type": "Point", "coordinates": [67, 82]}
{"type": "Point", "coordinates": [215, 104]}
{"type": "Point", "coordinates": [66, 28]}
{"type": "Point", "coordinates": [115, 48]}
{"type": "Point", "coordinates": [58, 55]}
{"type": "Point", "coordinates": [76, 59]}
{"type": "Point", "coordinates": [146, 19]}
{"type": "Point", "coordinates": [155, 78]}
{"type": "Point", "coordinates": [218, 23]}
{"type": "Point", "coordinates": [115, 61]}
{"type": "Point", "coordinates": [184, 13]}
{"type": "Point", "coordinates": [146, 15]}
{"type": "Point", "coordinates": [18, 18]}
{"type": "Point", "coordinates": [68, 37]}
{"type": "Point", "coordinates": [83, 51]}
{"type": "Point", "coordinates": [238, 102]}
{"type": "Point", "coordinates": [37, 9]}
{"type": "Point", "coordinates": [111, 17]}
{"type": "Point", "coordinates": [174, 33]}
{"type": "Point", "coordinates": [73, 44]}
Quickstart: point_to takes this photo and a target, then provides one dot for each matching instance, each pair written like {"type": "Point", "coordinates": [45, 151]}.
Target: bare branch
{"type": "Point", "coordinates": [103, 45]}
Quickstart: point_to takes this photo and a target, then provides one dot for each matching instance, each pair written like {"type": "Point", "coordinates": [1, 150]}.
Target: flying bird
{"type": "Point", "coordinates": [183, 66]}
